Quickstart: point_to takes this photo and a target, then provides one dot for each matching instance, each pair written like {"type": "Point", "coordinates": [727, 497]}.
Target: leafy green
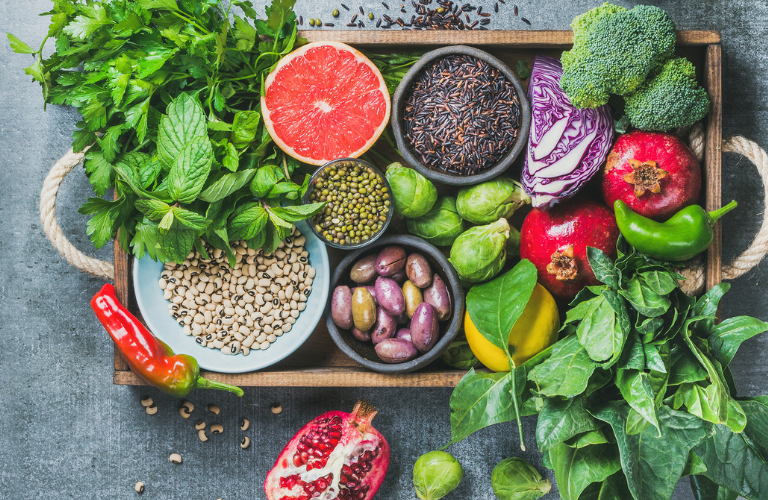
{"type": "Point", "coordinates": [168, 92]}
{"type": "Point", "coordinates": [577, 468]}
{"type": "Point", "coordinates": [515, 479]}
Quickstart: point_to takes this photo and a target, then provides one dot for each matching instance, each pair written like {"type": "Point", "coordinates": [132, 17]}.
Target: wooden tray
{"type": "Point", "coordinates": [319, 363]}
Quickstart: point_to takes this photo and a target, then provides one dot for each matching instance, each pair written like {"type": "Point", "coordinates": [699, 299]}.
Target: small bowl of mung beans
{"type": "Point", "coordinates": [359, 203]}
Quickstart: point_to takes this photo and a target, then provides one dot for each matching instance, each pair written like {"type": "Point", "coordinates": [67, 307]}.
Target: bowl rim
{"type": "Point", "coordinates": [398, 102]}
{"type": "Point", "coordinates": [390, 214]}
{"type": "Point", "coordinates": [451, 331]}
{"type": "Point", "coordinates": [313, 314]}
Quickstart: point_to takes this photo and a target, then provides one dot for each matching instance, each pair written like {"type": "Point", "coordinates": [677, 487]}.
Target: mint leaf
{"type": "Point", "coordinates": [147, 237]}
{"type": "Point", "coordinates": [298, 213]}
{"type": "Point", "coordinates": [190, 170]}
{"type": "Point", "coordinates": [265, 179]}
{"type": "Point", "coordinates": [184, 122]}
{"type": "Point", "coordinates": [166, 223]}
{"type": "Point", "coordinates": [231, 159]}
{"type": "Point", "coordinates": [178, 242]}
{"type": "Point", "coordinates": [247, 221]}
{"type": "Point", "coordinates": [225, 185]}
{"type": "Point", "coordinates": [159, 4]}
{"type": "Point", "coordinates": [149, 171]}
{"type": "Point", "coordinates": [244, 128]}
{"type": "Point", "coordinates": [190, 219]}
{"type": "Point", "coordinates": [155, 210]}
{"type": "Point", "coordinates": [18, 46]}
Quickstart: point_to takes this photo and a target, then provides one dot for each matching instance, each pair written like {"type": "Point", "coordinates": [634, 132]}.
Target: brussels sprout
{"type": "Point", "coordinates": [414, 194]}
{"type": "Point", "coordinates": [441, 225]}
{"type": "Point", "coordinates": [490, 201]}
{"type": "Point", "coordinates": [459, 355]}
{"type": "Point", "coordinates": [479, 253]}
{"type": "Point", "coordinates": [516, 479]}
{"type": "Point", "coordinates": [435, 474]}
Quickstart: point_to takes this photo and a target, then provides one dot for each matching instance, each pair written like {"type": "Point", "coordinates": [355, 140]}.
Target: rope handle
{"type": "Point", "coordinates": [51, 185]}
{"type": "Point", "coordinates": [693, 271]}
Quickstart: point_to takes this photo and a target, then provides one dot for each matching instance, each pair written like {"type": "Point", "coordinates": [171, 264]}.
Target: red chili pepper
{"type": "Point", "coordinates": [149, 357]}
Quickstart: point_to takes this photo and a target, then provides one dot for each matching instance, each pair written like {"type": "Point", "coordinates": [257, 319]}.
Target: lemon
{"type": "Point", "coordinates": [534, 331]}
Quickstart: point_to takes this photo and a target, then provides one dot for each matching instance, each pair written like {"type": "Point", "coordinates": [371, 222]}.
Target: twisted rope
{"type": "Point", "coordinates": [75, 257]}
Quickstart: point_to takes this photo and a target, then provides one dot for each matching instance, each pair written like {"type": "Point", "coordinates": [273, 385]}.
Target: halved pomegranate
{"type": "Point", "coordinates": [337, 455]}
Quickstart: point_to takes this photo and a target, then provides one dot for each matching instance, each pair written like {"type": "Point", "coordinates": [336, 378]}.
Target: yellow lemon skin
{"type": "Point", "coordinates": [534, 331]}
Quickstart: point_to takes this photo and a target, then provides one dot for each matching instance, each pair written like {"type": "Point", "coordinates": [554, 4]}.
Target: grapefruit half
{"type": "Point", "coordinates": [325, 101]}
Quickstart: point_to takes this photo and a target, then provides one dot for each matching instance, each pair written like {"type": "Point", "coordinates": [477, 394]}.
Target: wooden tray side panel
{"type": "Point", "coordinates": [318, 363]}
{"type": "Point", "coordinates": [713, 157]}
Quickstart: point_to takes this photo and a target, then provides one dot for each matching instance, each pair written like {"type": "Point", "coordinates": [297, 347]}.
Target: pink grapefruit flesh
{"type": "Point", "coordinates": [325, 101]}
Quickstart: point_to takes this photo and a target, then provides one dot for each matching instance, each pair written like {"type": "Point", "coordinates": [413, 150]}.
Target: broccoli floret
{"type": "Point", "coordinates": [614, 51]}
{"type": "Point", "coordinates": [670, 99]}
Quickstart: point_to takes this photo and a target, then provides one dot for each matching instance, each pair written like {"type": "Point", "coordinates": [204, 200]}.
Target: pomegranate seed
{"type": "Point", "coordinates": [297, 460]}
{"type": "Point", "coordinates": [334, 435]}
{"type": "Point", "coordinates": [366, 466]}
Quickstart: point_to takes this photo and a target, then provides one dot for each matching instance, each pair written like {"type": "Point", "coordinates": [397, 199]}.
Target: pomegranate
{"type": "Point", "coordinates": [337, 455]}
{"type": "Point", "coordinates": [556, 242]}
{"type": "Point", "coordinates": [652, 172]}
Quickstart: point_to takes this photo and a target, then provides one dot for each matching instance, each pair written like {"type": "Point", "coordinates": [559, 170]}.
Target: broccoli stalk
{"type": "Point", "coordinates": [614, 51]}
{"type": "Point", "coordinates": [671, 98]}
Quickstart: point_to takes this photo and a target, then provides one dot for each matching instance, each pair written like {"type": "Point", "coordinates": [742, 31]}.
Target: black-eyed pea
{"type": "Point", "coordinates": [139, 487]}
{"type": "Point", "coordinates": [199, 425]}
{"type": "Point", "coordinates": [151, 410]}
{"type": "Point", "coordinates": [245, 351]}
{"type": "Point", "coordinates": [147, 401]}
{"type": "Point", "coordinates": [245, 424]}
{"type": "Point", "coordinates": [245, 442]}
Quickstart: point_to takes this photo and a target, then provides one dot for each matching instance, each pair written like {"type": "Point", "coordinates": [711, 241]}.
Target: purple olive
{"type": "Point", "coordinates": [418, 270]}
{"type": "Point", "coordinates": [396, 351]}
{"type": "Point", "coordinates": [424, 327]}
{"type": "Point", "coordinates": [400, 277]}
{"type": "Point", "coordinates": [364, 270]}
{"type": "Point", "coordinates": [363, 309]}
{"type": "Point", "coordinates": [361, 336]}
{"type": "Point", "coordinates": [437, 295]}
{"type": "Point", "coordinates": [385, 327]}
{"type": "Point", "coordinates": [390, 296]}
{"type": "Point", "coordinates": [341, 307]}
{"type": "Point", "coordinates": [390, 260]}
{"type": "Point", "coordinates": [371, 289]}
{"type": "Point", "coordinates": [404, 333]}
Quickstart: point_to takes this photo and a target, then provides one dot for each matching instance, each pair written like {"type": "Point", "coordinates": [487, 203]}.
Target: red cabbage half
{"type": "Point", "coordinates": [566, 145]}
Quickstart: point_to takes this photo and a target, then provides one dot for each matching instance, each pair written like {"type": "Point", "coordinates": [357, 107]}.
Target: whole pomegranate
{"type": "Point", "coordinates": [337, 455]}
{"type": "Point", "coordinates": [556, 242]}
{"type": "Point", "coordinates": [652, 172]}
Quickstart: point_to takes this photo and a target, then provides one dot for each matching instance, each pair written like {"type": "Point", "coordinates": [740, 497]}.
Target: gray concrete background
{"type": "Point", "coordinates": [67, 432]}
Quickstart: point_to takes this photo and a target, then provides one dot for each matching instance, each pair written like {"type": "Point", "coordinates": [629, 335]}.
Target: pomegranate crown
{"type": "Point", "coordinates": [362, 414]}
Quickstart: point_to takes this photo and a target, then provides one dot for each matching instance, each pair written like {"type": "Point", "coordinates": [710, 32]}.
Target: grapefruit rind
{"type": "Point", "coordinates": [339, 120]}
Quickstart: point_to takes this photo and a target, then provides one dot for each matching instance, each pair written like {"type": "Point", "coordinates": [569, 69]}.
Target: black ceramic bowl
{"type": "Point", "coordinates": [363, 352]}
{"type": "Point", "coordinates": [401, 95]}
{"type": "Point", "coordinates": [391, 211]}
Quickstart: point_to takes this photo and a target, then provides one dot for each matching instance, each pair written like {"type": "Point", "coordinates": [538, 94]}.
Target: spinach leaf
{"type": "Point", "coordinates": [603, 267]}
{"type": "Point", "coordinates": [577, 468]}
{"type": "Point", "coordinates": [480, 399]}
{"type": "Point", "coordinates": [659, 281]}
{"type": "Point", "coordinates": [686, 368]}
{"type": "Point", "coordinates": [494, 307]}
{"type": "Point", "coordinates": [562, 419]}
{"type": "Point", "coordinates": [653, 462]}
{"type": "Point", "coordinates": [644, 300]}
{"type": "Point", "coordinates": [636, 390]}
{"type": "Point", "coordinates": [604, 327]}
{"type": "Point", "coordinates": [726, 337]}
{"type": "Point", "coordinates": [596, 436]}
{"type": "Point", "coordinates": [567, 371]}
{"type": "Point", "coordinates": [718, 395]}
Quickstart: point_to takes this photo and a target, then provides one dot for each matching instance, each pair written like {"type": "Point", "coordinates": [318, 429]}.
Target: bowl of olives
{"type": "Point", "coordinates": [359, 203]}
{"type": "Point", "coordinates": [396, 305]}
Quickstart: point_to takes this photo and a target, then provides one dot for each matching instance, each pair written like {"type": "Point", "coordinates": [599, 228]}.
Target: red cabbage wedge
{"type": "Point", "coordinates": [566, 145]}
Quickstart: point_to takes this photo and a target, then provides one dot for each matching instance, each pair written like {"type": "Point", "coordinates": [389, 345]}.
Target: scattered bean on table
{"type": "Point", "coordinates": [241, 308]}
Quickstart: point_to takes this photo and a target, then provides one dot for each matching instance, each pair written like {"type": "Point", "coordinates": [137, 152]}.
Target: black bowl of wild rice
{"type": "Point", "coordinates": [460, 116]}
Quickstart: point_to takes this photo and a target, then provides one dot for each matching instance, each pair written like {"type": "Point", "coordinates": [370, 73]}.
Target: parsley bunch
{"type": "Point", "coordinates": [169, 94]}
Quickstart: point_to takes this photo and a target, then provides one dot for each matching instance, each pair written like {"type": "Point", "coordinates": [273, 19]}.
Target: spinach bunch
{"type": "Point", "coordinates": [169, 94]}
{"type": "Point", "coordinates": [638, 392]}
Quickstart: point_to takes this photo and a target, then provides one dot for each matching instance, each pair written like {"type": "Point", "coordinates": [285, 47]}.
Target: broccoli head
{"type": "Point", "coordinates": [671, 98]}
{"type": "Point", "coordinates": [614, 51]}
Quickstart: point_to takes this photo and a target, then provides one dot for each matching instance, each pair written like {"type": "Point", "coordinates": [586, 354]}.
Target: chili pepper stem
{"type": "Point", "coordinates": [204, 383]}
{"type": "Point", "coordinates": [716, 214]}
